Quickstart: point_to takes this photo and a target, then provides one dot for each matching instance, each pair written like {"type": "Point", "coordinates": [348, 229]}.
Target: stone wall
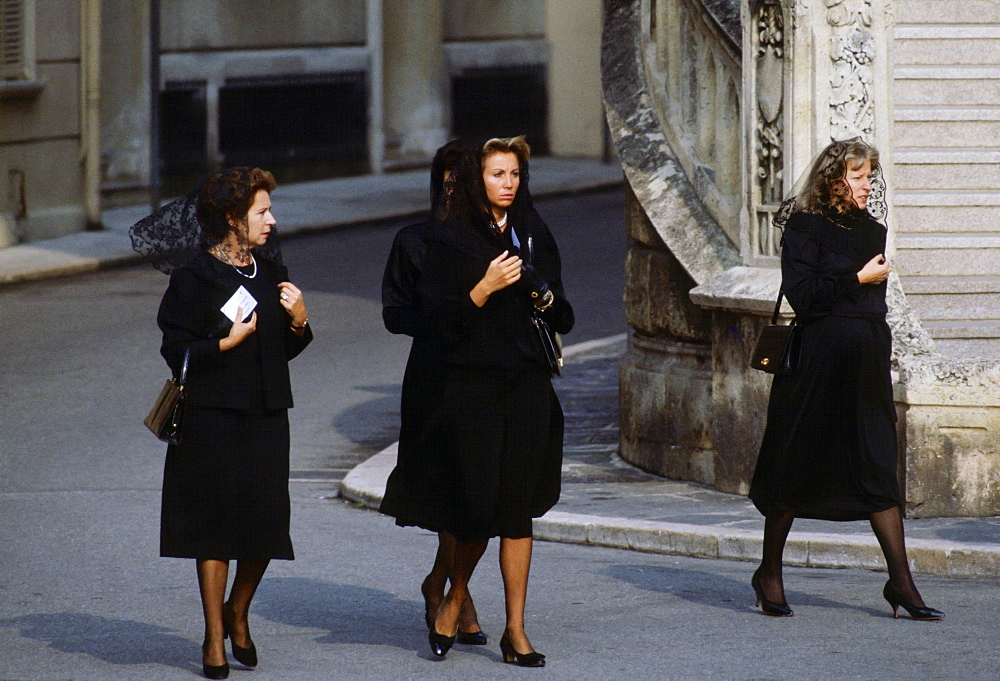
{"type": "Point", "coordinates": [691, 407]}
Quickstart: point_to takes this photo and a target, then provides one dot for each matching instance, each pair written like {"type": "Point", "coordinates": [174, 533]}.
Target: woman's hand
{"type": "Point", "coordinates": [239, 331]}
{"type": "Point", "coordinates": [875, 271]}
{"type": "Point", "coordinates": [295, 305]}
{"type": "Point", "coordinates": [502, 272]}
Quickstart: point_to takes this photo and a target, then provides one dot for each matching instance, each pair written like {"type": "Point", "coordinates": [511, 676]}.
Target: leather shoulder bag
{"type": "Point", "coordinates": [164, 419]}
{"type": "Point", "coordinates": [777, 350]}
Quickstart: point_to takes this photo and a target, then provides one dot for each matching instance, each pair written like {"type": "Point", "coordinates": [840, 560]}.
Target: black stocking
{"type": "Point", "coordinates": [776, 528]}
{"type": "Point", "coordinates": [888, 528]}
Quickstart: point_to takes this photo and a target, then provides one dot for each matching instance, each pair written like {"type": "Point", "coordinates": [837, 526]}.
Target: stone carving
{"type": "Point", "coordinates": [852, 51]}
{"type": "Point", "coordinates": [770, 68]}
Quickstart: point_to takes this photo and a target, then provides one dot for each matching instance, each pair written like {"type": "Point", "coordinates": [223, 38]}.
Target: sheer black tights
{"type": "Point", "coordinates": [888, 528]}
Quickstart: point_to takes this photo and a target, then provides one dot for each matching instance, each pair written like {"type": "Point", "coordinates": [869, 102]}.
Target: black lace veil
{"type": "Point", "coordinates": [826, 164]}
{"type": "Point", "coordinates": [172, 235]}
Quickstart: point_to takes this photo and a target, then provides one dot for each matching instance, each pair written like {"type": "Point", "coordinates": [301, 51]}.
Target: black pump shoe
{"type": "Point", "coordinates": [511, 656]}
{"type": "Point", "coordinates": [768, 607]}
{"type": "Point", "coordinates": [215, 671]}
{"type": "Point", "coordinates": [245, 656]}
{"type": "Point", "coordinates": [472, 638]}
{"type": "Point", "coordinates": [917, 613]}
{"type": "Point", "coordinates": [440, 644]}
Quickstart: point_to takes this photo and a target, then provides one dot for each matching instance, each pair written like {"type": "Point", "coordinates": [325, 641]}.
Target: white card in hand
{"type": "Point", "coordinates": [240, 299]}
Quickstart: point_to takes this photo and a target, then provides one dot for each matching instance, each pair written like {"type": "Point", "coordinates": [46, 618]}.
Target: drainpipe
{"type": "Point", "coordinates": [90, 124]}
{"type": "Point", "coordinates": [376, 53]}
{"type": "Point", "coordinates": [154, 104]}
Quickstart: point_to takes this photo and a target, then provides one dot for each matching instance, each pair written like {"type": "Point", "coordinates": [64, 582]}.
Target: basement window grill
{"type": "Point", "coordinates": [309, 124]}
{"type": "Point", "coordinates": [183, 127]}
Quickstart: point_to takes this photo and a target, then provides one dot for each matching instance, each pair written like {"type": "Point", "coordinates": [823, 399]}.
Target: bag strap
{"type": "Point", "coordinates": [184, 368]}
{"type": "Point", "coordinates": [777, 307]}
{"type": "Point", "coordinates": [531, 250]}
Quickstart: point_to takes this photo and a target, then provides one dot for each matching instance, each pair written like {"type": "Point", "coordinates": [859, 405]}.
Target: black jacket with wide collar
{"type": "Point", "coordinates": [500, 333]}
{"type": "Point", "coordinates": [252, 376]}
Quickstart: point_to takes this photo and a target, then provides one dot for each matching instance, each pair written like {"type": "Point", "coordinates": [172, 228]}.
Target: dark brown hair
{"type": "Point", "coordinates": [228, 196]}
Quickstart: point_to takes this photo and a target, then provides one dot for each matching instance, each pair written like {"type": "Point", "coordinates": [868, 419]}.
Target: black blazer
{"type": "Point", "coordinates": [499, 334]}
{"type": "Point", "coordinates": [253, 376]}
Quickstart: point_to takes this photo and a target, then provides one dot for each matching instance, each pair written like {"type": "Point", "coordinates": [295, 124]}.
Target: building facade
{"type": "Point", "coordinates": [104, 101]}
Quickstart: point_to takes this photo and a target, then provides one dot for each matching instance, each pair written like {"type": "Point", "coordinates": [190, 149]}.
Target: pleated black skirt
{"type": "Point", "coordinates": [829, 449]}
{"type": "Point", "coordinates": [487, 460]}
{"type": "Point", "coordinates": [225, 487]}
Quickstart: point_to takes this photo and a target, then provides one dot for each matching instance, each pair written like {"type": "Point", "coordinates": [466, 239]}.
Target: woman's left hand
{"type": "Point", "coordinates": [293, 302]}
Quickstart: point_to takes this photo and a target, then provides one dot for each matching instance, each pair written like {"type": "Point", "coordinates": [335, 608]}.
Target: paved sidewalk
{"type": "Point", "coordinates": [301, 207]}
{"type": "Point", "coordinates": [607, 502]}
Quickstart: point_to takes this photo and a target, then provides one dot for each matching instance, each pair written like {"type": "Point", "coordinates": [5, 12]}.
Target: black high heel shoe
{"type": "Point", "coordinates": [245, 656]}
{"type": "Point", "coordinates": [471, 638]}
{"type": "Point", "coordinates": [768, 607]}
{"type": "Point", "coordinates": [917, 613]}
{"type": "Point", "coordinates": [511, 656]}
{"type": "Point", "coordinates": [214, 671]}
{"type": "Point", "coordinates": [440, 644]}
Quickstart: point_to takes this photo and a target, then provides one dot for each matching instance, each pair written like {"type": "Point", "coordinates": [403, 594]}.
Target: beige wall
{"type": "Point", "coordinates": [39, 135]}
{"type": "Point", "coordinates": [576, 108]}
{"type": "Point", "coordinates": [493, 19]}
{"type": "Point", "coordinates": [416, 88]}
{"type": "Point", "coordinates": [236, 24]}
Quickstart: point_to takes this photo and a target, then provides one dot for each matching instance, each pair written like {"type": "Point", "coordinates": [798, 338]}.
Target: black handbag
{"type": "Point", "coordinates": [551, 342]}
{"type": "Point", "coordinates": [164, 419]}
{"type": "Point", "coordinates": [777, 350]}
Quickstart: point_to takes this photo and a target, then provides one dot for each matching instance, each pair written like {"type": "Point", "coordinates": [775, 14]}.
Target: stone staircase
{"type": "Point", "coordinates": [947, 169]}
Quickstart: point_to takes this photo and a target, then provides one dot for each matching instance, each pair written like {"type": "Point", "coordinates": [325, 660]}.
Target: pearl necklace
{"type": "Point", "coordinates": [253, 261]}
{"type": "Point", "coordinates": [502, 222]}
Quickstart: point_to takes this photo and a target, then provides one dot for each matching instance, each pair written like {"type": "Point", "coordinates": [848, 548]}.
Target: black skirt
{"type": "Point", "coordinates": [829, 449]}
{"type": "Point", "coordinates": [488, 458]}
{"type": "Point", "coordinates": [225, 487]}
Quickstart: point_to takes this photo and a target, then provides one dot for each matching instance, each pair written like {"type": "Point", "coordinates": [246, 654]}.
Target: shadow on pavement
{"type": "Point", "coordinates": [346, 612]}
{"type": "Point", "coordinates": [716, 591]}
{"type": "Point", "coordinates": [114, 641]}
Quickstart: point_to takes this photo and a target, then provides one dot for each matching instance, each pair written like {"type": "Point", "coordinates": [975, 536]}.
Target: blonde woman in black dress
{"type": "Point", "coordinates": [225, 486]}
{"type": "Point", "coordinates": [495, 437]}
{"type": "Point", "coordinates": [829, 448]}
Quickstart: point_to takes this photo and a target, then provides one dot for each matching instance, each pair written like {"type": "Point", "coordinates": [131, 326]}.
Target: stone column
{"type": "Point", "coordinates": [416, 87]}
{"type": "Point", "coordinates": [125, 117]}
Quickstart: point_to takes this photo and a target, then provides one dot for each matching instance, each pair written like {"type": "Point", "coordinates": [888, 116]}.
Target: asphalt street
{"type": "Point", "coordinates": [84, 595]}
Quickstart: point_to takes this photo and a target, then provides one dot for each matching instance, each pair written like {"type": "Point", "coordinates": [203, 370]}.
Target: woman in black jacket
{"type": "Point", "coordinates": [225, 486]}
{"type": "Point", "coordinates": [829, 448]}
{"type": "Point", "coordinates": [495, 436]}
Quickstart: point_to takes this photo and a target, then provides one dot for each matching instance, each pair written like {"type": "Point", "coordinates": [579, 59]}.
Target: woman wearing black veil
{"type": "Point", "coordinates": [494, 440]}
{"type": "Point", "coordinates": [403, 313]}
{"type": "Point", "coordinates": [829, 449]}
{"type": "Point", "coordinates": [225, 486]}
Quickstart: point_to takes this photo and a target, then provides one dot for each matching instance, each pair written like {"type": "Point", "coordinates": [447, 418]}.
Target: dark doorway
{"type": "Point", "coordinates": [502, 101]}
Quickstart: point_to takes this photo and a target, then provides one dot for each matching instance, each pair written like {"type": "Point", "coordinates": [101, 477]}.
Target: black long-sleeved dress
{"type": "Point", "coordinates": [490, 446]}
{"type": "Point", "coordinates": [829, 449]}
{"type": "Point", "coordinates": [225, 487]}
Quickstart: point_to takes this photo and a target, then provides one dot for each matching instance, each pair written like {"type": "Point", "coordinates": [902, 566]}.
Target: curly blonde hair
{"type": "Point", "coordinates": [827, 185]}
